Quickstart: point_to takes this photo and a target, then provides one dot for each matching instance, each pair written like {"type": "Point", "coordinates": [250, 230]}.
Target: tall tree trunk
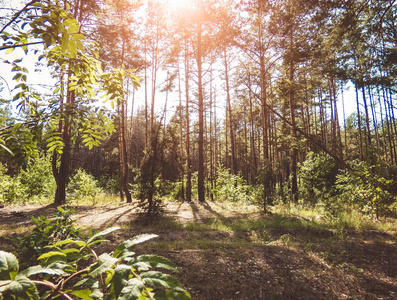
{"type": "Point", "coordinates": [359, 124]}
{"type": "Point", "coordinates": [366, 115]}
{"type": "Point", "coordinates": [229, 109]}
{"type": "Point", "coordinates": [188, 161]}
{"type": "Point", "coordinates": [61, 173]}
{"type": "Point", "coordinates": [181, 130]}
{"type": "Point", "coordinates": [294, 154]}
{"type": "Point", "coordinates": [200, 181]}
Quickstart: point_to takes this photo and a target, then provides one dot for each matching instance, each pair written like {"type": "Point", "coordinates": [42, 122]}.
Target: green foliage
{"type": "Point", "coordinates": [33, 184]}
{"type": "Point", "coordinates": [46, 231]}
{"type": "Point", "coordinates": [38, 180]}
{"type": "Point", "coordinates": [11, 189]}
{"type": "Point", "coordinates": [109, 184]}
{"type": "Point", "coordinates": [365, 186]}
{"type": "Point", "coordinates": [113, 85]}
{"type": "Point", "coordinates": [122, 275]}
{"type": "Point", "coordinates": [83, 185]}
{"type": "Point", "coordinates": [317, 176]}
{"type": "Point", "coordinates": [232, 187]}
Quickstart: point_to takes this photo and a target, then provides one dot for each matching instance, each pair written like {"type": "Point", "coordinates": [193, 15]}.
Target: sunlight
{"type": "Point", "coordinates": [178, 4]}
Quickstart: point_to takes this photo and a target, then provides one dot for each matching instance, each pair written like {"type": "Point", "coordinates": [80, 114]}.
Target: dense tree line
{"type": "Point", "coordinates": [256, 88]}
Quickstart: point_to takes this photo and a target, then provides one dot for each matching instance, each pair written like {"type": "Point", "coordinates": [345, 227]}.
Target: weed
{"type": "Point", "coordinates": [46, 231]}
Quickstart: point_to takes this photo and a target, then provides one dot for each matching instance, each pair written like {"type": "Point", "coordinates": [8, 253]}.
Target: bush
{"type": "Point", "coordinates": [363, 185]}
{"type": "Point", "coordinates": [46, 231]}
{"type": "Point", "coordinates": [34, 183]}
{"type": "Point", "coordinates": [231, 187]}
{"type": "Point", "coordinates": [11, 188]}
{"type": "Point", "coordinates": [317, 176]}
{"type": "Point", "coordinates": [109, 184]}
{"type": "Point", "coordinates": [83, 185]}
{"type": "Point", "coordinates": [38, 179]}
{"type": "Point", "coordinates": [63, 271]}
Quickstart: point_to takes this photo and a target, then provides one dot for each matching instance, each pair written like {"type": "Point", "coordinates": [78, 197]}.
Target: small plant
{"type": "Point", "coordinates": [364, 186]}
{"type": "Point", "coordinates": [83, 185]}
{"type": "Point", "coordinates": [63, 271]}
{"type": "Point", "coordinates": [317, 176]}
{"type": "Point", "coordinates": [38, 179]}
{"type": "Point", "coordinates": [46, 231]}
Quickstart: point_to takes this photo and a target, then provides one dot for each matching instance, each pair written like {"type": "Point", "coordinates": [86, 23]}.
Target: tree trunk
{"type": "Point", "coordinates": [294, 154]}
{"type": "Point", "coordinates": [188, 161]}
{"type": "Point", "coordinates": [200, 183]}
{"type": "Point", "coordinates": [229, 108]}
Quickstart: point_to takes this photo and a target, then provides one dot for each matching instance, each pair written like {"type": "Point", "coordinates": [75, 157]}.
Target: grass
{"type": "Point", "coordinates": [351, 218]}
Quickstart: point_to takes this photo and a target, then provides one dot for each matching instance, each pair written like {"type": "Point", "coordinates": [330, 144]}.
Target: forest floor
{"type": "Point", "coordinates": [225, 254]}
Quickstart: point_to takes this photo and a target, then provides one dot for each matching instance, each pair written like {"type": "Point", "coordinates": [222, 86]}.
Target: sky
{"type": "Point", "coordinates": [40, 78]}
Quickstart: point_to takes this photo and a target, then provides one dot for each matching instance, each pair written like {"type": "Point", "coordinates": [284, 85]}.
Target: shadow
{"type": "Point", "coordinates": [116, 218]}
{"type": "Point", "coordinates": [208, 208]}
{"type": "Point", "coordinates": [195, 211]}
{"type": "Point", "coordinates": [15, 216]}
{"type": "Point", "coordinates": [267, 272]}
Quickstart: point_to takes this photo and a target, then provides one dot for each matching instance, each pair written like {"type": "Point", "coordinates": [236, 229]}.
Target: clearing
{"type": "Point", "coordinates": [225, 254]}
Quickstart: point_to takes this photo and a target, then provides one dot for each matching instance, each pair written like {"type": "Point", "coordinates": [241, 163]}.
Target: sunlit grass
{"type": "Point", "coordinates": [98, 199]}
{"type": "Point", "coordinates": [350, 218]}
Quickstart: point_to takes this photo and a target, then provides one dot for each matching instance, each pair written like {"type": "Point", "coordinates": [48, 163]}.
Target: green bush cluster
{"type": "Point", "coordinates": [35, 184]}
{"type": "Point", "coordinates": [47, 230]}
{"type": "Point", "coordinates": [70, 268]}
{"type": "Point", "coordinates": [83, 186]}
{"type": "Point", "coordinates": [364, 185]}
{"type": "Point", "coordinates": [370, 188]}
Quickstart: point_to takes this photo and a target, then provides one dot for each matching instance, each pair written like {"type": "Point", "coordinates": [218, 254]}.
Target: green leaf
{"type": "Point", "coordinates": [10, 50]}
{"type": "Point", "coordinates": [23, 289]}
{"type": "Point", "coordinates": [40, 270]}
{"type": "Point", "coordinates": [101, 234]}
{"type": "Point", "coordinates": [69, 241]}
{"type": "Point", "coordinates": [129, 245]}
{"type": "Point", "coordinates": [4, 285]}
{"type": "Point", "coordinates": [83, 294]}
{"type": "Point", "coordinates": [158, 279]}
{"type": "Point", "coordinates": [132, 290]}
{"type": "Point", "coordinates": [105, 261]}
{"type": "Point", "coordinates": [92, 283]}
{"type": "Point", "coordinates": [154, 261]}
{"type": "Point", "coordinates": [8, 266]}
{"type": "Point", "coordinates": [65, 42]}
{"type": "Point", "coordinates": [51, 254]}
{"type": "Point", "coordinates": [120, 278]}
{"type": "Point", "coordinates": [97, 294]}
{"type": "Point", "coordinates": [52, 257]}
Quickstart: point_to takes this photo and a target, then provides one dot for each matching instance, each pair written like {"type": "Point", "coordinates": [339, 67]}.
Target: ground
{"type": "Point", "coordinates": [225, 254]}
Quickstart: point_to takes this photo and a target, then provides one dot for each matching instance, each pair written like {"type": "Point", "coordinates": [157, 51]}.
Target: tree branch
{"type": "Point", "coordinates": [16, 15]}
{"type": "Point", "coordinates": [22, 45]}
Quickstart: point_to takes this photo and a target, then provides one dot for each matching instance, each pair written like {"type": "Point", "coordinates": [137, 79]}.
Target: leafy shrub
{"type": "Point", "coordinates": [317, 176]}
{"type": "Point", "coordinates": [109, 184]}
{"type": "Point", "coordinates": [231, 187]}
{"type": "Point", "coordinates": [121, 275]}
{"type": "Point", "coordinates": [46, 231]}
{"type": "Point", "coordinates": [38, 179]}
{"type": "Point", "coordinates": [36, 182]}
{"type": "Point", "coordinates": [83, 185]}
{"type": "Point", "coordinates": [362, 185]}
{"type": "Point", "coordinates": [11, 188]}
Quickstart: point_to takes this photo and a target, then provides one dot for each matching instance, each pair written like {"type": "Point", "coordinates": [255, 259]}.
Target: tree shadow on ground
{"type": "Point", "coordinates": [14, 216]}
{"type": "Point", "coordinates": [271, 272]}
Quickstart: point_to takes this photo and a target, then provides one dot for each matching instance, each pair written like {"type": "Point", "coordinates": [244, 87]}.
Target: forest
{"type": "Point", "coordinates": [244, 114]}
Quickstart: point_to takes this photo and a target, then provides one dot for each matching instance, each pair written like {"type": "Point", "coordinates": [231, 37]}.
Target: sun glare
{"type": "Point", "coordinates": [178, 4]}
